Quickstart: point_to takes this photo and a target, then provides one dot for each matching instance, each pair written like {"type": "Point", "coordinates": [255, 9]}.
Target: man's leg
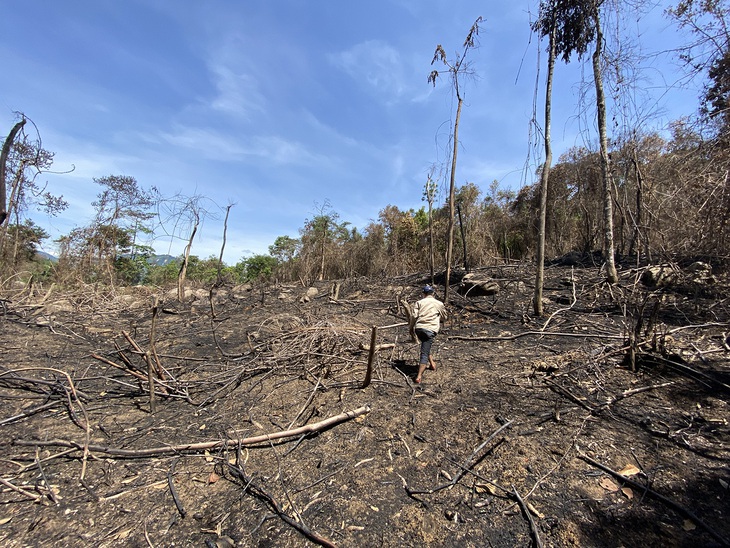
{"type": "Point", "coordinates": [426, 338]}
{"type": "Point", "coordinates": [421, 369]}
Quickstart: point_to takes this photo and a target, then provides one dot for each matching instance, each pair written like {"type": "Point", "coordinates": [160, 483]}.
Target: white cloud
{"type": "Point", "coordinates": [221, 146]}
{"type": "Point", "coordinates": [238, 90]}
{"type": "Point", "coordinates": [209, 144]}
{"type": "Point", "coordinates": [376, 63]}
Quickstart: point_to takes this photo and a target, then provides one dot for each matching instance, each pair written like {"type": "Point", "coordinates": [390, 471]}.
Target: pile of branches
{"type": "Point", "coordinates": [146, 370]}
{"type": "Point", "coordinates": [322, 349]}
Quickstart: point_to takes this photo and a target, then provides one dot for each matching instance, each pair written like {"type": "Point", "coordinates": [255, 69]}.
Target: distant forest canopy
{"type": "Point", "coordinates": [670, 193]}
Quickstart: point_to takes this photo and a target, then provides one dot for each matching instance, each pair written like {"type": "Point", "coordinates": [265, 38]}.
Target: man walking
{"type": "Point", "coordinates": [428, 313]}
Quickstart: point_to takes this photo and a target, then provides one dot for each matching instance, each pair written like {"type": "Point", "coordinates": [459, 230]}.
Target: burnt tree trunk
{"type": "Point", "coordinates": [3, 166]}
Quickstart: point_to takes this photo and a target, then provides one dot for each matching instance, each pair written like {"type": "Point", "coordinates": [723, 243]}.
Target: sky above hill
{"type": "Point", "coordinates": [282, 106]}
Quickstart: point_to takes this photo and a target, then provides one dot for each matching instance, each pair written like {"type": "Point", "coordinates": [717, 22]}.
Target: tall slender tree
{"type": "Point", "coordinates": [546, 26]}
{"type": "Point", "coordinates": [577, 26]}
{"type": "Point", "coordinates": [429, 194]}
{"type": "Point", "coordinates": [457, 68]}
{"type": "Point", "coordinates": [608, 244]}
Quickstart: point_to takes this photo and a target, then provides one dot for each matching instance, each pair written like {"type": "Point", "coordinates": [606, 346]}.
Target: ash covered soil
{"type": "Point", "coordinates": [531, 430]}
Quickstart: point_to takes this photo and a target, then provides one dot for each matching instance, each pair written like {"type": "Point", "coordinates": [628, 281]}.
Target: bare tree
{"type": "Point", "coordinates": [23, 160]}
{"type": "Point", "coordinates": [182, 273]}
{"type": "Point", "coordinates": [457, 68]}
{"type": "Point", "coordinates": [223, 243]}
{"type": "Point", "coordinates": [181, 217]}
{"type": "Point", "coordinates": [3, 166]}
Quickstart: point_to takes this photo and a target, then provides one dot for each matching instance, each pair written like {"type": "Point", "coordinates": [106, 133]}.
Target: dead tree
{"type": "Point", "coordinates": [456, 68]}
{"type": "Point", "coordinates": [3, 163]}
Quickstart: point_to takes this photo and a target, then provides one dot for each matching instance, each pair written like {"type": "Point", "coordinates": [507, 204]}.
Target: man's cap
{"type": "Point", "coordinates": [427, 289]}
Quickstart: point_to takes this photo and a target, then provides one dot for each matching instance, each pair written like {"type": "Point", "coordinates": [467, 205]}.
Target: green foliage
{"type": "Point", "coordinates": [256, 268]}
{"type": "Point", "coordinates": [109, 248]}
{"type": "Point", "coordinates": [513, 246]}
{"type": "Point", "coordinates": [284, 248]}
{"type": "Point", "coordinates": [133, 267]}
{"type": "Point", "coordinates": [22, 242]}
{"type": "Point", "coordinates": [323, 242]}
{"type": "Point", "coordinates": [204, 271]}
{"type": "Point", "coordinates": [163, 275]}
{"type": "Point", "coordinates": [130, 270]}
{"type": "Point", "coordinates": [420, 217]}
{"type": "Point", "coordinates": [43, 270]}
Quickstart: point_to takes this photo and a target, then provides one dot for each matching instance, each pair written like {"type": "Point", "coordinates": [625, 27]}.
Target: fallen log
{"type": "Point", "coordinates": [202, 446]}
{"type": "Point", "coordinates": [538, 334]}
{"type": "Point", "coordinates": [471, 286]}
{"type": "Point", "coordinates": [378, 347]}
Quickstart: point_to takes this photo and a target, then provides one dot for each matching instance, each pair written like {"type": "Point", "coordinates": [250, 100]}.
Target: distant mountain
{"type": "Point", "coordinates": [46, 256]}
{"type": "Point", "coordinates": [154, 260]}
{"type": "Point", "coordinates": [161, 260]}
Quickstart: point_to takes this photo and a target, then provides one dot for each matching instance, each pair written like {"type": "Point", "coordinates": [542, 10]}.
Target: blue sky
{"type": "Point", "coordinates": [279, 106]}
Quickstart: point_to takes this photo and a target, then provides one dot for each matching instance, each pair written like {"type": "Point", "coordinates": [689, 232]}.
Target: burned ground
{"type": "Point", "coordinates": [531, 430]}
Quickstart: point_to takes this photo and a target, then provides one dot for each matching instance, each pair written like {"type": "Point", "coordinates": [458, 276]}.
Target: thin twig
{"type": "Point", "coordinates": [173, 491]}
{"type": "Point", "coordinates": [147, 536]}
{"type": "Point", "coordinates": [572, 304]}
{"type": "Point", "coordinates": [691, 371]}
{"type": "Point", "coordinates": [528, 515]}
{"type": "Point", "coordinates": [570, 396]}
{"type": "Point", "coordinates": [32, 496]}
{"type": "Point", "coordinates": [29, 412]}
{"type": "Point", "coordinates": [472, 459]}
{"type": "Point", "coordinates": [71, 391]}
{"type": "Point", "coordinates": [51, 495]}
{"type": "Point", "coordinates": [306, 404]}
{"type": "Point", "coordinates": [320, 480]}
{"type": "Point", "coordinates": [32, 465]}
{"type": "Point", "coordinates": [132, 490]}
{"type": "Point", "coordinates": [468, 463]}
{"type": "Point", "coordinates": [627, 393]}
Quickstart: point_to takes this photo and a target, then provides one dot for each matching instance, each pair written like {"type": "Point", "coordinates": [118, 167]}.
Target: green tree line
{"type": "Point", "coordinates": [671, 200]}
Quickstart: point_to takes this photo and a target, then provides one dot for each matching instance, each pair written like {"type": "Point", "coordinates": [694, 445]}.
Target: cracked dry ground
{"type": "Point", "coordinates": [513, 427]}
